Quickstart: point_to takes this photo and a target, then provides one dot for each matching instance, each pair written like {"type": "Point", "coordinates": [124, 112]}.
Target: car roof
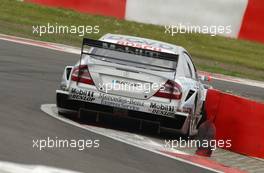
{"type": "Point", "coordinates": [138, 41]}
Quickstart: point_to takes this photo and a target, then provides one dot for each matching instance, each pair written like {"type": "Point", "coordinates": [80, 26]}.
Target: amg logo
{"type": "Point", "coordinates": [162, 107]}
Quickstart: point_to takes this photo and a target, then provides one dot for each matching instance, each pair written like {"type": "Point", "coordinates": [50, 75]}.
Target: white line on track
{"type": "Point", "coordinates": [10, 167]}
{"type": "Point", "coordinates": [124, 137]}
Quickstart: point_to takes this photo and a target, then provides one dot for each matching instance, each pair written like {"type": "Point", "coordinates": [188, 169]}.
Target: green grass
{"type": "Point", "coordinates": [214, 54]}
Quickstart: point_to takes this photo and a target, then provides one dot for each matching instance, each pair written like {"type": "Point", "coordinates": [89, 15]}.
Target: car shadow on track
{"type": "Point", "coordinates": [117, 122]}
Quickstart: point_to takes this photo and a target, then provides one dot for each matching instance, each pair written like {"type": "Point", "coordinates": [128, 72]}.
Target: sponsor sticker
{"type": "Point", "coordinates": [140, 43]}
{"type": "Point", "coordinates": [82, 95]}
{"type": "Point", "coordinates": [121, 102]}
{"type": "Point", "coordinates": [161, 109]}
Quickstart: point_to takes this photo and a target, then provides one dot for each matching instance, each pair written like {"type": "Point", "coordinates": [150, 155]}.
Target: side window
{"type": "Point", "coordinates": [191, 68]}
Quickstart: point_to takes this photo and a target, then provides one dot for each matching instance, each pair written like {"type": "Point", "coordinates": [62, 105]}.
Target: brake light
{"type": "Point", "coordinates": [84, 75]}
{"type": "Point", "coordinates": [170, 90]}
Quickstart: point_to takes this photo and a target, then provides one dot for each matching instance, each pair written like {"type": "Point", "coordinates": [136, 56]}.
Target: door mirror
{"type": "Point", "coordinates": [205, 78]}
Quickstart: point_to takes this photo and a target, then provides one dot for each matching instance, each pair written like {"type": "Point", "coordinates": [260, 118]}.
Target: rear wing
{"type": "Point", "coordinates": [127, 49]}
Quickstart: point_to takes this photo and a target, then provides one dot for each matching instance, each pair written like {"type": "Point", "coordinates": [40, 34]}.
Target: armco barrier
{"type": "Point", "coordinates": [114, 8]}
{"type": "Point", "coordinates": [239, 120]}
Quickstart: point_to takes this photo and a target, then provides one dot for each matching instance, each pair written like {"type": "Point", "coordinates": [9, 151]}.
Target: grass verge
{"type": "Point", "coordinates": [214, 54]}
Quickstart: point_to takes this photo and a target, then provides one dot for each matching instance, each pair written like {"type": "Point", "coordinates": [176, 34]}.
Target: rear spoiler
{"type": "Point", "coordinates": [127, 49]}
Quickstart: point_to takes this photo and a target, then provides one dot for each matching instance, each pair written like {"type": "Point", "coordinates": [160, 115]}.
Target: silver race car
{"type": "Point", "coordinates": [147, 80]}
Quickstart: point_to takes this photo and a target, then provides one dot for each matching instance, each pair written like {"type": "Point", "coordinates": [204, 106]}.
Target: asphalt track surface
{"type": "Point", "coordinates": [29, 77]}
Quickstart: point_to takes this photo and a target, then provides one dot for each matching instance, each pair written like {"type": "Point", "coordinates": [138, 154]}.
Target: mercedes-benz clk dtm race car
{"type": "Point", "coordinates": [147, 80]}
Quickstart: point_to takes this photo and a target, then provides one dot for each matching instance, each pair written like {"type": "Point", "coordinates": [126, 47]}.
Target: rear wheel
{"type": "Point", "coordinates": [204, 116]}
{"type": "Point", "coordinates": [192, 128]}
{"type": "Point", "coordinates": [194, 120]}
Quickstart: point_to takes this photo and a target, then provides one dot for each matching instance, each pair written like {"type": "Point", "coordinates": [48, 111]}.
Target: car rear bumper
{"type": "Point", "coordinates": [178, 123]}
